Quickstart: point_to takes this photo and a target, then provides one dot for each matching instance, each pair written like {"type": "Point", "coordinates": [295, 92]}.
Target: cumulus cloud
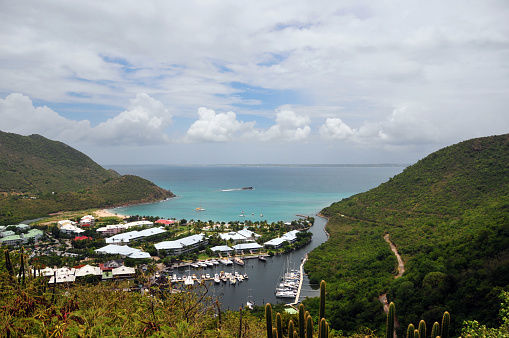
{"type": "Point", "coordinates": [141, 124]}
{"type": "Point", "coordinates": [289, 127]}
{"type": "Point", "coordinates": [18, 115]}
{"type": "Point", "coordinates": [408, 125]}
{"type": "Point", "coordinates": [336, 129]}
{"type": "Point", "coordinates": [224, 127]}
{"type": "Point", "coordinates": [212, 127]}
{"type": "Point", "coordinates": [405, 125]}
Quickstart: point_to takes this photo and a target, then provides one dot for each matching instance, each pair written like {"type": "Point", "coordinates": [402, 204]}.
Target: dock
{"type": "Point", "coordinates": [300, 281]}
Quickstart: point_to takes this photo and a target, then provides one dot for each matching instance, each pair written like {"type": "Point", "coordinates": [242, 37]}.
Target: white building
{"type": "Point", "coordinates": [88, 270]}
{"type": "Point", "coordinates": [249, 247]}
{"type": "Point", "coordinates": [183, 245]}
{"type": "Point", "coordinates": [87, 220]}
{"type": "Point", "coordinates": [113, 229]}
{"type": "Point", "coordinates": [123, 272]}
{"type": "Point", "coordinates": [126, 237]}
{"type": "Point", "coordinates": [70, 229]}
{"type": "Point", "coordinates": [123, 250]}
{"type": "Point", "coordinates": [276, 243]}
{"type": "Point", "coordinates": [241, 236]}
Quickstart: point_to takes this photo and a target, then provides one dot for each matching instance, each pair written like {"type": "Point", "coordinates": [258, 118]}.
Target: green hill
{"type": "Point", "coordinates": [40, 176]}
{"type": "Point", "coordinates": [448, 216]}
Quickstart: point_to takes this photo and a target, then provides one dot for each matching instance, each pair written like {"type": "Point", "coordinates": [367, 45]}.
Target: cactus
{"type": "Point", "coordinates": [291, 328]}
{"type": "Point", "coordinates": [21, 276]}
{"type": "Point", "coordinates": [268, 319]}
{"type": "Point", "coordinates": [416, 334]}
{"type": "Point", "coordinates": [390, 320]}
{"type": "Point", "coordinates": [279, 325]}
{"type": "Point", "coordinates": [410, 331]}
{"type": "Point", "coordinates": [422, 329]}
{"type": "Point", "coordinates": [295, 334]}
{"type": "Point", "coordinates": [435, 331]}
{"type": "Point", "coordinates": [446, 319]}
{"type": "Point", "coordinates": [240, 322]}
{"type": "Point", "coordinates": [274, 332]}
{"type": "Point", "coordinates": [323, 331]}
{"type": "Point", "coordinates": [309, 326]}
{"type": "Point", "coordinates": [218, 313]}
{"type": "Point", "coordinates": [322, 300]}
{"type": "Point", "coordinates": [8, 263]}
{"type": "Point", "coordinates": [302, 320]}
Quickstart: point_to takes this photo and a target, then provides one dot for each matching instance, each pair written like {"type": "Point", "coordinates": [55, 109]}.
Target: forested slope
{"type": "Point", "coordinates": [448, 215]}
{"type": "Point", "coordinates": [40, 176]}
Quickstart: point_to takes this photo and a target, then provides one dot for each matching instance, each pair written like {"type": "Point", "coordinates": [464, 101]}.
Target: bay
{"type": "Point", "coordinates": [280, 193]}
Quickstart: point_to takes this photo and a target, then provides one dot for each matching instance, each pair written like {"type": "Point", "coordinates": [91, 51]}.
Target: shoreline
{"type": "Point", "coordinates": [107, 213]}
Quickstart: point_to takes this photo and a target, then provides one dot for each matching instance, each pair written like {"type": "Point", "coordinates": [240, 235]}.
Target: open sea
{"type": "Point", "coordinates": [280, 193]}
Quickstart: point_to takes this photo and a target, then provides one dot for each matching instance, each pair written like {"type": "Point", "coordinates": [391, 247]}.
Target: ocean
{"type": "Point", "coordinates": [279, 193]}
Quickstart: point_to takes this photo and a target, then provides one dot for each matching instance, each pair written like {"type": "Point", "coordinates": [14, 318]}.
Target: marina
{"type": "Point", "coordinates": [281, 193]}
{"type": "Point", "coordinates": [255, 281]}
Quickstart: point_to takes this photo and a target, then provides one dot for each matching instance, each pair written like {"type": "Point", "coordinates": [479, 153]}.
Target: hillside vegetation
{"type": "Point", "coordinates": [40, 176]}
{"type": "Point", "coordinates": [448, 216]}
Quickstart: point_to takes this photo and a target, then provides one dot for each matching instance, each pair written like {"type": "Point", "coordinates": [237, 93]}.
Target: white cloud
{"type": "Point", "coordinates": [289, 127]}
{"type": "Point", "coordinates": [365, 57]}
{"type": "Point", "coordinates": [224, 127]}
{"type": "Point", "coordinates": [212, 127]}
{"type": "Point", "coordinates": [335, 129]}
{"type": "Point", "coordinates": [408, 125]}
{"type": "Point", "coordinates": [18, 115]}
{"type": "Point", "coordinates": [142, 124]}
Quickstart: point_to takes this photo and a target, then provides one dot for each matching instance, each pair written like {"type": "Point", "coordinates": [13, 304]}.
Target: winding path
{"type": "Point", "coordinates": [401, 271]}
{"type": "Point", "coordinates": [401, 265]}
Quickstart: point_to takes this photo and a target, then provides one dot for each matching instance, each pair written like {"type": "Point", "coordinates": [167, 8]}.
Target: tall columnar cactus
{"type": "Point", "coordinates": [322, 300]}
{"type": "Point", "coordinates": [8, 264]}
{"type": "Point", "coordinates": [21, 276]}
{"type": "Point", "coordinates": [295, 334]}
{"type": "Point", "coordinates": [323, 329]}
{"type": "Point", "coordinates": [416, 334]}
{"type": "Point", "coordinates": [268, 319]}
{"type": "Point", "coordinates": [435, 331]}
{"type": "Point", "coordinates": [309, 327]}
{"type": "Point", "coordinates": [410, 331]}
{"type": "Point", "coordinates": [274, 332]}
{"type": "Point", "coordinates": [390, 320]}
{"type": "Point", "coordinates": [302, 320]}
{"type": "Point", "coordinates": [422, 328]}
{"type": "Point", "coordinates": [446, 319]}
{"type": "Point", "coordinates": [240, 322]}
{"type": "Point", "coordinates": [279, 325]}
{"type": "Point", "coordinates": [291, 328]}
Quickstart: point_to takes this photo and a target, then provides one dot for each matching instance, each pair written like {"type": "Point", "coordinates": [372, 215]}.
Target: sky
{"type": "Point", "coordinates": [255, 82]}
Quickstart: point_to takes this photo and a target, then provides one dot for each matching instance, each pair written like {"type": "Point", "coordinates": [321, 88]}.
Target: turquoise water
{"type": "Point", "coordinates": [280, 193]}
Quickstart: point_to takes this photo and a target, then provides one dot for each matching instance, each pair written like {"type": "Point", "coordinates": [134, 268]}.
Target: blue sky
{"type": "Point", "coordinates": [200, 82]}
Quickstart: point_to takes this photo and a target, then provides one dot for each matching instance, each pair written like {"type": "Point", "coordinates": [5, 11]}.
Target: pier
{"type": "Point", "coordinates": [300, 281]}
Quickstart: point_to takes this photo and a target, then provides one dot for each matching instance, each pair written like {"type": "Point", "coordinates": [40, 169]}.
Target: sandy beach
{"type": "Point", "coordinates": [106, 213]}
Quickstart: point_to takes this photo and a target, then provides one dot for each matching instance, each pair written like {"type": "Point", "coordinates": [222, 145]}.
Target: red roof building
{"type": "Point", "coordinates": [165, 221]}
{"type": "Point", "coordinates": [80, 238]}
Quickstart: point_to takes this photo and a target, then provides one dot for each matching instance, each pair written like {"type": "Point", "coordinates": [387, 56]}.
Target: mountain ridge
{"type": "Point", "coordinates": [39, 176]}
{"type": "Point", "coordinates": [448, 215]}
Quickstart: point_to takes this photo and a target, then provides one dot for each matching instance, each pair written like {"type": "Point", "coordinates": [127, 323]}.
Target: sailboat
{"type": "Point", "coordinates": [199, 208]}
{"type": "Point", "coordinates": [249, 303]}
